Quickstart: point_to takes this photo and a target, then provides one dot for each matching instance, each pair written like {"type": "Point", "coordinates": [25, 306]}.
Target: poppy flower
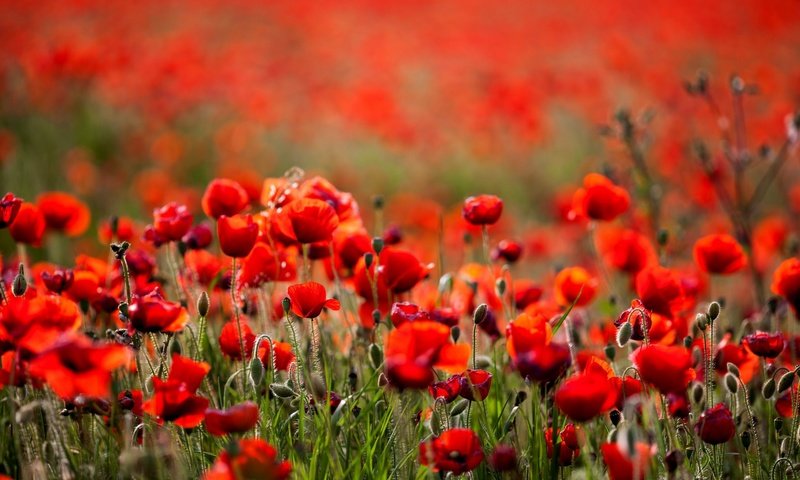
{"type": "Point", "coordinates": [503, 458]}
{"type": "Point", "coordinates": [237, 235]}
{"type": "Point", "coordinates": [678, 405]}
{"type": "Point", "coordinates": [308, 220]}
{"type": "Point", "coordinates": [58, 280]}
{"type": "Point", "coordinates": [171, 222]}
{"type": "Point", "coordinates": [575, 285]}
{"type": "Point", "coordinates": [124, 230]}
{"type": "Point", "coordinates": [568, 447]}
{"type": "Point", "coordinates": [659, 290]}
{"type": "Point", "coordinates": [75, 365]}
{"type": "Point", "coordinates": [29, 225]}
{"type": "Point", "coordinates": [719, 254]}
{"type": "Point", "coordinates": [785, 281]}
{"type": "Point", "coordinates": [668, 369]}
{"type": "Point", "coordinates": [152, 313]}
{"type": "Point", "coordinates": [457, 450]}
{"type": "Point", "coordinates": [765, 344]}
{"type": "Point", "coordinates": [198, 237]}
{"type": "Point", "coordinates": [415, 348]}
{"type": "Point", "coordinates": [236, 419]}
{"type": "Point", "coordinates": [622, 466]}
{"type": "Point", "coordinates": [715, 425]}
{"type": "Point", "coordinates": [250, 459]}
{"type": "Point", "coordinates": [400, 270]}
{"type": "Point", "coordinates": [403, 312]}
{"type": "Point", "coordinates": [264, 264]}
{"type": "Point", "coordinates": [9, 208]}
{"type": "Point", "coordinates": [585, 396]}
{"type": "Point", "coordinates": [599, 199]}
{"type": "Point", "coordinates": [526, 293]}
{"type": "Point", "coordinates": [482, 209]}
{"type": "Point", "coordinates": [626, 250]}
{"type": "Point", "coordinates": [350, 245]}
{"type": "Point", "coordinates": [447, 390]}
{"type": "Point", "coordinates": [308, 299]}
{"type": "Point", "coordinates": [174, 399]}
{"type": "Point", "coordinates": [229, 342]}
{"type": "Point", "coordinates": [475, 385]}
{"type": "Point", "coordinates": [625, 389]}
{"type": "Point", "coordinates": [508, 250]}
{"type": "Point", "coordinates": [283, 356]}
{"type": "Point", "coordinates": [638, 317]}
{"type": "Point", "coordinates": [728, 352]}
{"type": "Point", "coordinates": [223, 197]}
{"type": "Point", "coordinates": [64, 213]}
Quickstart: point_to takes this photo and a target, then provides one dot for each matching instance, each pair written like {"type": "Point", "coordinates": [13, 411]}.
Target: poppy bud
{"type": "Point", "coordinates": [175, 347]}
{"type": "Point", "coordinates": [689, 453]}
{"type": "Point", "coordinates": [382, 380]}
{"type": "Point", "coordinates": [482, 209]}
{"type": "Point", "coordinates": [713, 310]}
{"type": "Point", "coordinates": [375, 355]}
{"type": "Point", "coordinates": [376, 316]}
{"type": "Point", "coordinates": [701, 320]}
{"type": "Point", "coordinates": [455, 333]}
{"type": "Point", "coordinates": [731, 384]}
{"type": "Point", "coordinates": [500, 286]}
{"type": "Point", "coordinates": [377, 245]}
{"type": "Point", "coordinates": [256, 371]}
{"type": "Point", "coordinates": [745, 436]}
{"type": "Point", "coordinates": [318, 387]}
{"type": "Point", "coordinates": [697, 393]}
{"type": "Point", "coordinates": [522, 395]}
{"type": "Point", "coordinates": [624, 334]}
{"type": "Point", "coordinates": [436, 422]}
{"type": "Point", "coordinates": [203, 304]}
{"type": "Point", "coordinates": [663, 237]}
{"type": "Point", "coordinates": [612, 436]}
{"type": "Point", "coordinates": [610, 352]}
{"type": "Point", "coordinates": [733, 369]}
{"type": "Point", "coordinates": [378, 202]}
{"type": "Point", "coordinates": [687, 341]}
{"type": "Point", "coordinates": [281, 390]}
{"type": "Point", "coordinates": [480, 314]}
{"type": "Point", "coordinates": [778, 422]}
{"type": "Point", "coordinates": [445, 283]}
{"type": "Point", "coordinates": [9, 207]}
{"type": "Point", "coordinates": [673, 460]}
{"type": "Point", "coordinates": [368, 259]}
{"type": "Point", "coordinates": [20, 285]}
{"type": "Point", "coordinates": [482, 361]}
{"type": "Point", "coordinates": [459, 407]}
{"type": "Point", "coordinates": [615, 416]}
{"type": "Point", "coordinates": [123, 309]}
{"type": "Point", "coordinates": [768, 390]}
{"type": "Point", "coordinates": [286, 303]}
{"type": "Point", "coordinates": [785, 383]}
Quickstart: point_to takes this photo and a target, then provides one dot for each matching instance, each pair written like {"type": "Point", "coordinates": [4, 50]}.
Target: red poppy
{"type": "Point", "coordinates": [223, 197]}
{"type": "Point", "coordinates": [236, 419]}
{"type": "Point", "coordinates": [626, 250]}
{"type": "Point", "coordinates": [308, 220]}
{"type": "Point", "coordinates": [765, 344]}
{"type": "Point", "coordinates": [229, 342]}
{"type": "Point", "coordinates": [678, 405]}
{"type": "Point", "coordinates": [29, 225]}
{"type": "Point", "coordinates": [475, 385]}
{"type": "Point", "coordinates": [152, 313]}
{"type": "Point", "coordinates": [64, 213]}
{"type": "Point", "coordinates": [75, 365]}
{"type": "Point", "coordinates": [668, 369]}
{"type": "Point", "coordinates": [569, 446]}
{"type": "Point", "coordinates": [198, 237]}
{"type": "Point", "coordinates": [406, 312]}
{"type": "Point", "coordinates": [446, 390]}
{"type": "Point", "coordinates": [503, 458]}
{"type": "Point", "coordinates": [203, 266]}
{"type": "Point", "coordinates": [575, 284]}
{"type": "Point", "coordinates": [625, 389]}
{"type": "Point", "coordinates": [784, 405]}
{"type": "Point", "coordinates": [457, 450]}
{"type": "Point", "coordinates": [308, 300]}
{"type": "Point", "coordinates": [599, 199]}
{"type": "Point", "coordinates": [131, 400]}
{"type": "Point", "coordinates": [237, 235]}
{"type": "Point", "coordinates": [526, 293]}
{"type": "Point", "coordinates": [719, 254]}
{"type": "Point", "coordinates": [58, 280]}
{"type": "Point", "coordinates": [283, 357]}
{"type": "Point", "coordinates": [638, 317]}
{"type": "Point", "coordinates": [9, 208]}
{"type": "Point", "coordinates": [264, 264]}
{"type": "Point", "coordinates": [785, 281]}
{"type": "Point", "coordinates": [585, 396]}
{"type": "Point", "coordinates": [508, 250]}
{"type": "Point", "coordinates": [400, 270]}
{"type": "Point", "coordinates": [727, 352]}
{"type": "Point", "coordinates": [415, 348]}
{"type": "Point", "coordinates": [482, 209]}
{"type": "Point", "coordinates": [174, 399]}
{"type": "Point", "coordinates": [171, 222]}
{"type": "Point", "coordinates": [251, 459]}
{"type": "Point", "coordinates": [350, 245]}
{"type": "Point", "coordinates": [530, 349]}
{"type": "Point", "coordinates": [715, 425]}
{"type": "Point", "coordinates": [660, 290]}
{"type": "Point", "coordinates": [621, 466]}
{"type": "Point", "coordinates": [124, 230]}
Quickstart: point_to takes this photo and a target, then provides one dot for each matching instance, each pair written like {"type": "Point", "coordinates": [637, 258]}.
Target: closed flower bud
{"type": "Point", "coordinates": [713, 310]}
{"type": "Point", "coordinates": [20, 285]}
{"type": "Point", "coordinates": [731, 383]}
{"type": "Point", "coordinates": [701, 320]}
{"type": "Point", "coordinates": [687, 341]}
{"type": "Point", "coordinates": [610, 352]}
{"type": "Point", "coordinates": [697, 393]}
{"type": "Point", "coordinates": [368, 259]}
{"type": "Point", "coordinates": [445, 283]}
{"type": "Point", "coordinates": [480, 314]}
{"type": "Point", "coordinates": [318, 387]}
{"type": "Point", "coordinates": [673, 460]}
{"type": "Point", "coordinates": [745, 436]}
{"type": "Point", "coordinates": [286, 303]}
{"type": "Point", "coordinates": [376, 316]}
{"type": "Point", "coordinates": [483, 362]}
{"type": "Point", "coordinates": [375, 355]}
{"type": "Point", "coordinates": [500, 286]}
{"type": "Point", "coordinates": [203, 304]}
{"type": "Point", "coordinates": [282, 391]}
{"type": "Point", "coordinates": [733, 369]}
{"type": "Point", "coordinates": [455, 333]}
{"type": "Point", "coordinates": [377, 245]}
{"type": "Point", "coordinates": [778, 422]}
{"type": "Point", "coordinates": [768, 390]}
{"type": "Point", "coordinates": [175, 347]}
{"type": "Point", "coordinates": [785, 383]}
{"type": "Point", "coordinates": [459, 407]}
{"type": "Point", "coordinates": [624, 334]}
{"type": "Point", "coordinates": [615, 416]}
{"type": "Point", "coordinates": [256, 371]}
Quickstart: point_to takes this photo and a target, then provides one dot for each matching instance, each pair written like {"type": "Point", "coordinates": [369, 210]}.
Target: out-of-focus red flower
{"type": "Point", "coordinates": [415, 348]}
{"type": "Point", "coordinates": [503, 458]}
{"type": "Point", "coordinates": [29, 225]}
{"type": "Point", "coordinates": [237, 235]}
{"type": "Point", "coordinates": [283, 355]}
{"type": "Point", "coordinates": [715, 425]}
{"type": "Point", "coordinates": [64, 213]}
{"type": "Point", "coordinates": [224, 197]}
{"type": "Point", "coordinates": [625, 250]}
{"type": "Point", "coordinates": [765, 344]}
{"type": "Point", "coordinates": [172, 221]}
{"type": "Point", "coordinates": [727, 352]}
{"type": "Point", "coordinates": [678, 405]}
{"type": "Point", "coordinates": [621, 466]}
{"type": "Point", "coordinates": [236, 419]}
{"type": "Point", "coordinates": [202, 265]}
{"type": "Point", "coordinates": [638, 317]}
{"type": "Point", "coordinates": [251, 459]}
{"type": "Point", "coordinates": [599, 199]}
{"type": "Point", "coordinates": [531, 351]}
{"type": "Point", "coordinates": [457, 450]}
{"type": "Point", "coordinates": [447, 390]}
{"type": "Point", "coordinates": [475, 385]}
{"type": "Point", "coordinates": [75, 365]}
{"type": "Point", "coordinates": [264, 264]}
{"type": "Point", "coordinates": [198, 237]}
{"type": "Point", "coordinates": [350, 245]}
{"type": "Point", "coordinates": [482, 209]}
{"type": "Point", "coordinates": [125, 230]}
{"type": "Point", "coordinates": [625, 389]}
{"type": "Point", "coordinates": [9, 208]}
{"type": "Point", "coordinates": [152, 313]}
{"type": "Point", "coordinates": [58, 280]}
{"type": "Point", "coordinates": [569, 445]}
{"type": "Point", "coordinates": [660, 290]}
{"type": "Point", "coordinates": [508, 250]}
{"type": "Point", "coordinates": [343, 203]}
{"type": "Point", "coordinates": [583, 397]}
{"type": "Point", "coordinates": [406, 312]}
{"type": "Point", "coordinates": [174, 399]}
{"type": "Point", "coordinates": [785, 281]}
{"type": "Point", "coordinates": [719, 254]}
{"type": "Point", "coordinates": [575, 284]}
{"type": "Point", "coordinates": [784, 404]}
{"type": "Point", "coordinates": [308, 299]}
{"type": "Point", "coordinates": [131, 400]}
{"type": "Point", "coordinates": [399, 271]}
{"type": "Point", "coordinates": [526, 293]}
{"type": "Point", "coordinates": [229, 342]}
{"type": "Point", "coordinates": [668, 369]}
{"type": "Point", "coordinates": [308, 220]}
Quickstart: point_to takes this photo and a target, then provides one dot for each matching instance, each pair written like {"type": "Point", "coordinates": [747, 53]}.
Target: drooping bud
{"type": "Point", "coordinates": [624, 334]}
{"type": "Point", "coordinates": [375, 356]}
{"type": "Point", "coordinates": [731, 383]}
{"type": "Point", "coordinates": [203, 304]}
{"type": "Point", "coordinates": [701, 320]}
{"type": "Point", "coordinates": [480, 313]}
{"type": "Point", "coordinates": [286, 303]}
{"type": "Point", "coordinates": [733, 369]}
{"type": "Point", "coordinates": [175, 347]}
{"type": "Point", "coordinates": [785, 383]}
{"type": "Point", "coordinates": [713, 310]}
{"type": "Point", "coordinates": [768, 390]}
{"type": "Point", "coordinates": [256, 371]}
{"type": "Point", "coordinates": [697, 393]}
{"type": "Point", "coordinates": [282, 391]}
{"type": "Point", "coordinates": [746, 439]}
{"type": "Point", "coordinates": [459, 407]}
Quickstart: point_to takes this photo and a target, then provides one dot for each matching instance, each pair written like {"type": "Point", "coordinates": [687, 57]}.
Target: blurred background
{"type": "Point", "coordinates": [131, 104]}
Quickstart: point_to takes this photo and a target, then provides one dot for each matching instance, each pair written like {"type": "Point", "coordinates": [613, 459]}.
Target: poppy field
{"type": "Point", "coordinates": [402, 240]}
